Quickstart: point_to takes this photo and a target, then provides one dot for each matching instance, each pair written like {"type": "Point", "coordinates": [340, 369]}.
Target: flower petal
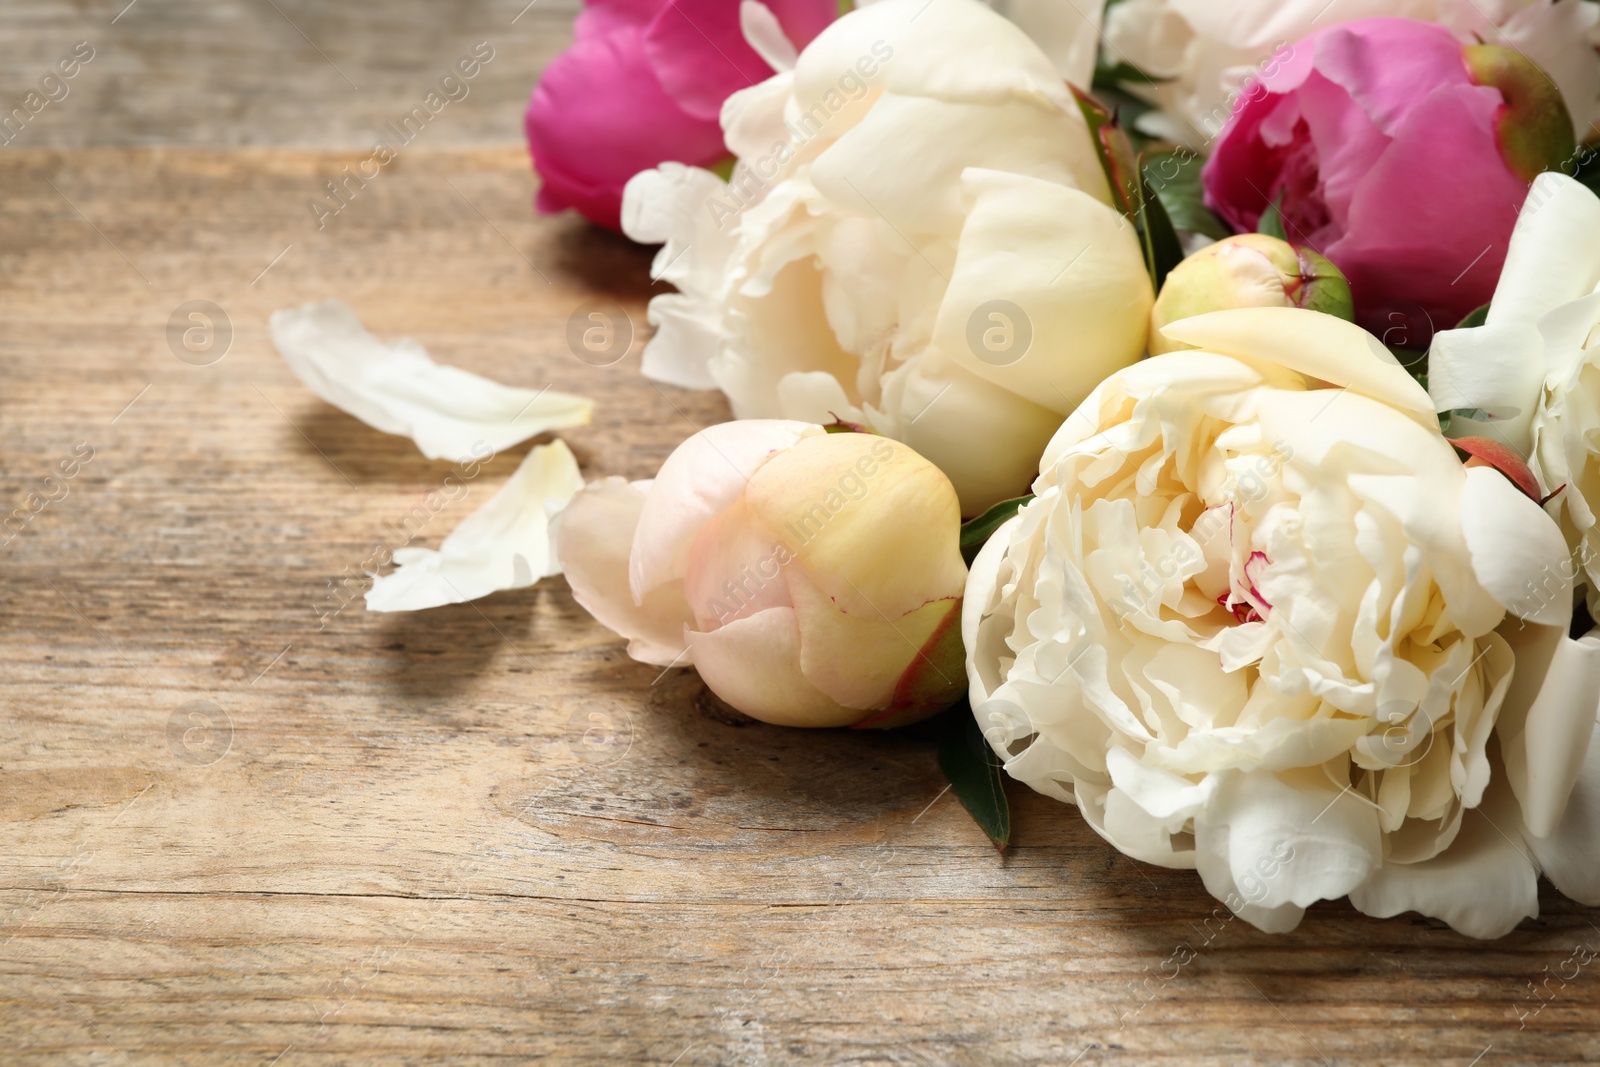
{"type": "Point", "coordinates": [1551, 260]}
{"type": "Point", "coordinates": [754, 664]}
{"type": "Point", "coordinates": [764, 34]}
{"type": "Point", "coordinates": [701, 479]}
{"type": "Point", "coordinates": [1316, 345]}
{"type": "Point", "coordinates": [1269, 845]}
{"type": "Point", "coordinates": [594, 537]}
{"type": "Point", "coordinates": [1545, 734]}
{"type": "Point", "coordinates": [1483, 885]}
{"type": "Point", "coordinates": [1518, 553]}
{"type": "Point", "coordinates": [398, 389]}
{"type": "Point", "coordinates": [503, 545]}
{"type": "Point", "coordinates": [1570, 855]}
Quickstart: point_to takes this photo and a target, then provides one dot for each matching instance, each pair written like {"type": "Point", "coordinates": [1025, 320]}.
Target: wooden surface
{"type": "Point", "coordinates": [482, 834]}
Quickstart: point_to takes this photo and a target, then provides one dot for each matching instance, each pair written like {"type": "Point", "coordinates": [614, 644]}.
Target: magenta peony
{"type": "Point", "coordinates": [643, 84]}
{"type": "Point", "coordinates": [1399, 154]}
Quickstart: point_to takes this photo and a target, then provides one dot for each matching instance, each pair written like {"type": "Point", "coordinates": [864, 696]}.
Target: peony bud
{"type": "Point", "coordinates": [814, 579]}
{"type": "Point", "coordinates": [1251, 270]}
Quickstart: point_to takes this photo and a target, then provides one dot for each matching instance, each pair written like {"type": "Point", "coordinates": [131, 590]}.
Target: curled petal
{"type": "Point", "coordinates": [503, 545]}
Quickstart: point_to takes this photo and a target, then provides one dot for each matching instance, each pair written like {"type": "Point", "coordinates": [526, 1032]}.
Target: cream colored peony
{"type": "Point", "coordinates": [1529, 377]}
{"type": "Point", "coordinates": [1262, 622]}
{"type": "Point", "coordinates": [813, 579]}
{"type": "Point", "coordinates": [917, 238]}
{"type": "Point", "coordinates": [1203, 52]}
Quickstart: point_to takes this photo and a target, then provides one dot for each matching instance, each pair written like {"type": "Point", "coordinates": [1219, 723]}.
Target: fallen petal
{"type": "Point", "coordinates": [505, 544]}
{"type": "Point", "coordinates": [397, 388]}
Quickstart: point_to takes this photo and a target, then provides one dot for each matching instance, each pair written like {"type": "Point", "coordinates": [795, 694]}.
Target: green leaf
{"type": "Point", "coordinates": [1175, 178]}
{"type": "Point", "coordinates": [1162, 249]}
{"type": "Point", "coordinates": [975, 533]}
{"type": "Point", "coordinates": [1475, 317]}
{"type": "Point", "coordinates": [975, 774]}
{"type": "Point", "coordinates": [1111, 76]}
{"type": "Point", "coordinates": [1114, 151]}
{"type": "Point", "coordinates": [1271, 222]}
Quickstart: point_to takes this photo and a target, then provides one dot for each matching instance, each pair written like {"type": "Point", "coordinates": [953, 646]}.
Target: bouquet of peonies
{"type": "Point", "coordinates": [1257, 344]}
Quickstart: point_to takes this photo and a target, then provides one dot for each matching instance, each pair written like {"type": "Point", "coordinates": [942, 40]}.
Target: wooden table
{"type": "Point", "coordinates": [247, 824]}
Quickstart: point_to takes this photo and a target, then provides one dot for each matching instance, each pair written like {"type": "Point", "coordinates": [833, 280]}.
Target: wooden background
{"type": "Point", "coordinates": [482, 834]}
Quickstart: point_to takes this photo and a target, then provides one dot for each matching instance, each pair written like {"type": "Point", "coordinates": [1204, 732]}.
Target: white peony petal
{"type": "Point", "coordinates": [1274, 841]}
{"type": "Point", "coordinates": [687, 211]}
{"type": "Point", "coordinates": [1319, 346]}
{"type": "Point", "coordinates": [1570, 855]}
{"type": "Point", "coordinates": [1068, 31]}
{"type": "Point", "coordinates": [1066, 267]}
{"type": "Point", "coordinates": [929, 395]}
{"type": "Point", "coordinates": [764, 33]}
{"type": "Point", "coordinates": [1518, 553]}
{"type": "Point", "coordinates": [1553, 257]}
{"type": "Point", "coordinates": [503, 545]}
{"type": "Point", "coordinates": [700, 480]}
{"type": "Point", "coordinates": [1483, 885]}
{"type": "Point", "coordinates": [686, 335]}
{"type": "Point", "coordinates": [398, 389]}
{"type": "Point", "coordinates": [1545, 735]}
{"type": "Point", "coordinates": [1499, 369]}
{"type": "Point", "coordinates": [594, 537]}
{"type": "Point", "coordinates": [978, 599]}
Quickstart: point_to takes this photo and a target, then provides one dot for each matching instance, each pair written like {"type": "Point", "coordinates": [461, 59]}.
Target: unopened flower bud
{"type": "Point", "coordinates": [813, 579]}
{"type": "Point", "coordinates": [1247, 271]}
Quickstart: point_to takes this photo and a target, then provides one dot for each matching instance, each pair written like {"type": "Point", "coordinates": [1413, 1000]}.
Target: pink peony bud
{"type": "Point", "coordinates": [1399, 154]}
{"type": "Point", "coordinates": [813, 579]}
{"type": "Point", "coordinates": [643, 84]}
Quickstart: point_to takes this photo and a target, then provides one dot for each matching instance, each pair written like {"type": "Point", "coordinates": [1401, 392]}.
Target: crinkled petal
{"type": "Point", "coordinates": [396, 388]}
{"type": "Point", "coordinates": [1483, 885]}
{"type": "Point", "coordinates": [1270, 845]}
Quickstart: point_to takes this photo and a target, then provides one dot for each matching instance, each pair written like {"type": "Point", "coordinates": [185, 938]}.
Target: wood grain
{"type": "Point", "coordinates": [482, 834]}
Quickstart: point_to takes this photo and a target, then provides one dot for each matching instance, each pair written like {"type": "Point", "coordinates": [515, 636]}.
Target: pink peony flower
{"type": "Point", "coordinates": [1399, 154]}
{"type": "Point", "coordinates": [643, 84]}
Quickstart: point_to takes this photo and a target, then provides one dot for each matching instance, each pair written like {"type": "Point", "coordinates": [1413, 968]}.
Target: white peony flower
{"type": "Point", "coordinates": [1261, 621]}
{"type": "Point", "coordinates": [1533, 369]}
{"type": "Point", "coordinates": [1203, 52]}
{"type": "Point", "coordinates": [917, 238]}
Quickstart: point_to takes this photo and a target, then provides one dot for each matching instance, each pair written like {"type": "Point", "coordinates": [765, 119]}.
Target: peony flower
{"type": "Point", "coordinates": [1401, 156]}
{"type": "Point", "coordinates": [917, 239]}
{"type": "Point", "coordinates": [813, 579]}
{"type": "Point", "coordinates": [642, 84]}
{"type": "Point", "coordinates": [1260, 621]}
{"type": "Point", "coordinates": [1529, 378]}
{"type": "Point", "coordinates": [1205, 53]}
{"type": "Point", "coordinates": [1251, 270]}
